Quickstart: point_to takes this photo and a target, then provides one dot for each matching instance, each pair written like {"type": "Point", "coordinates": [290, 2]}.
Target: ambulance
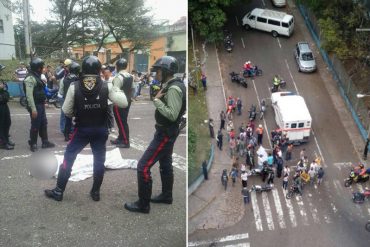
{"type": "Point", "coordinates": [292, 116]}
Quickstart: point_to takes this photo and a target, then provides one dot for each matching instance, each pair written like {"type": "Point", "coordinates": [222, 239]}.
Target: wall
{"type": "Point", "coordinates": [7, 43]}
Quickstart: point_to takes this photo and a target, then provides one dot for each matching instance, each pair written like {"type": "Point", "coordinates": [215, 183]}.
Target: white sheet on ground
{"type": "Point", "coordinates": [83, 166]}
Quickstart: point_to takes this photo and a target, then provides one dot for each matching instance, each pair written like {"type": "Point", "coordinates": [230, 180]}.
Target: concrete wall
{"type": "Point", "coordinates": [7, 43]}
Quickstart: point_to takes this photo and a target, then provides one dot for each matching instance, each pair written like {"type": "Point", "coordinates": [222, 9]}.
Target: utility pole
{"type": "Point", "coordinates": [27, 35]}
{"type": "Point", "coordinates": [83, 29]}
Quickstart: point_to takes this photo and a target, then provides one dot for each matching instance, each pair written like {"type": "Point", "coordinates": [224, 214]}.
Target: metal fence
{"type": "Point", "coordinates": [348, 88]}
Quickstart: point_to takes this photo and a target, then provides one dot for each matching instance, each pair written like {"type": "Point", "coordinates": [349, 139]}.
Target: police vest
{"type": "Point", "coordinates": [39, 96]}
{"type": "Point", "coordinates": [91, 110]}
{"type": "Point", "coordinates": [162, 120]}
{"type": "Point", "coordinates": [4, 97]}
{"type": "Point", "coordinates": [67, 82]}
{"type": "Point", "coordinates": [127, 86]}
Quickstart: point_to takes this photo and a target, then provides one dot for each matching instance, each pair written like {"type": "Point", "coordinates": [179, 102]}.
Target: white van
{"type": "Point", "coordinates": [275, 22]}
{"type": "Point", "coordinates": [292, 116]}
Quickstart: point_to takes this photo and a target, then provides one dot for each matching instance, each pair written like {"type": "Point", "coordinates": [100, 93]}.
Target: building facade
{"type": "Point", "coordinates": [7, 43]}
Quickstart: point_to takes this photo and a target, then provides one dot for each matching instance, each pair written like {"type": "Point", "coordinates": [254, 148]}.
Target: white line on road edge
{"type": "Point", "coordinates": [318, 147]}
{"type": "Point", "coordinates": [291, 211]}
{"type": "Point", "coordinates": [267, 208]}
{"type": "Point", "coordinates": [27, 114]}
{"type": "Point", "coordinates": [16, 157]}
{"type": "Point", "coordinates": [256, 212]}
{"type": "Point", "coordinates": [237, 21]}
{"type": "Point", "coordinates": [302, 210]}
{"type": "Point", "coordinates": [239, 245]}
{"type": "Point", "coordinates": [219, 70]}
{"type": "Point", "coordinates": [221, 240]}
{"type": "Point", "coordinates": [264, 121]}
{"type": "Point", "coordinates": [278, 40]}
{"type": "Point", "coordinates": [243, 42]}
{"type": "Point", "coordinates": [279, 209]}
{"type": "Point", "coordinates": [291, 76]}
{"type": "Point", "coordinates": [263, 3]}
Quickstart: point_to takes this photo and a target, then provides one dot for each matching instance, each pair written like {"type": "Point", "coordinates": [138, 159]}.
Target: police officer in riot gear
{"type": "Point", "coordinates": [170, 104]}
{"type": "Point", "coordinates": [123, 81]}
{"type": "Point", "coordinates": [74, 73]}
{"type": "Point", "coordinates": [85, 98]}
{"type": "Point", "coordinates": [34, 89]}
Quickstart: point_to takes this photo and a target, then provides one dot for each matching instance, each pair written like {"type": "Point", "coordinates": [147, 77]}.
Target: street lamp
{"type": "Point", "coordinates": [366, 149]}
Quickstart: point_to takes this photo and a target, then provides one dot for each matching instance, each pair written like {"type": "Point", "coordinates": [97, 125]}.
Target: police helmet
{"type": "Point", "coordinates": [121, 64]}
{"type": "Point", "coordinates": [36, 64]}
{"type": "Point", "coordinates": [74, 68]}
{"type": "Point", "coordinates": [168, 64]}
{"type": "Point", "coordinates": [91, 66]}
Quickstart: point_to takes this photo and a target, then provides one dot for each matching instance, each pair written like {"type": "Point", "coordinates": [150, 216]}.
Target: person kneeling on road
{"type": "Point", "coordinates": [170, 104]}
{"type": "Point", "coordinates": [85, 98]}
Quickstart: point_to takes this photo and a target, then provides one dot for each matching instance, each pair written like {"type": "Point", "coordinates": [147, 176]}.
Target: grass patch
{"type": "Point", "coordinates": [198, 133]}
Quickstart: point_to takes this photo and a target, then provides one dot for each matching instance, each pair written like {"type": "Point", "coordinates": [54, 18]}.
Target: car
{"type": "Point", "coordinates": [279, 3]}
{"type": "Point", "coordinates": [304, 57]}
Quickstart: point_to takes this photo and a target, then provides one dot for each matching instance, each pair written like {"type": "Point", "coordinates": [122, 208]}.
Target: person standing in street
{"type": "Point", "coordinates": [259, 131]}
{"type": "Point", "coordinates": [223, 119]}
{"type": "Point", "coordinates": [5, 120]}
{"type": "Point", "coordinates": [204, 81]}
{"type": "Point", "coordinates": [285, 181]}
{"type": "Point", "coordinates": [239, 106]}
{"type": "Point", "coordinates": [170, 104]}
{"type": "Point", "coordinates": [107, 77]}
{"type": "Point", "coordinates": [320, 175]}
{"type": "Point", "coordinates": [245, 193]}
{"type": "Point", "coordinates": [220, 139]}
{"type": "Point", "coordinates": [204, 169]}
{"type": "Point", "coordinates": [279, 166]}
{"type": "Point", "coordinates": [288, 154]}
{"type": "Point", "coordinates": [244, 178]}
{"type": "Point", "coordinates": [34, 89]}
{"type": "Point", "coordinates": [210, 126]}
{"type": "Point", "coordinates": [66, 66]}
{"type": "Point", "coordinates": [124, 81]}
{"type": "Point", "coordinates": [85, 98]}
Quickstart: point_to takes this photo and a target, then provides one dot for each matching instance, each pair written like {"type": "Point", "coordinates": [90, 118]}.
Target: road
{"type": "Point", "coordinates": [27, 218]}
{"type": "Point", "coordinates": [325, 215]}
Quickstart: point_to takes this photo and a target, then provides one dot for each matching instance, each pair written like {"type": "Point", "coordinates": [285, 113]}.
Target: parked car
{"type": "Point", "coordinates": [279, 3]}
{"type": "Point", "coordinates": [304, 57]}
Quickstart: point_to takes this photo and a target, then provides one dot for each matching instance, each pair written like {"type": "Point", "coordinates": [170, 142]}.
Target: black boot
{"type": "Point", "coordinates": [95, 191]}
{"type": "Point", "coordinates": [33, 140]}
{"type": "Point", "coordinates": [143, 204]}
{"type": "Point", "coordinates": [57, 192]}
{"type": "Point", "coordinates": [166, 195]}
{"type": "Point", "coordinates": [44, 138]}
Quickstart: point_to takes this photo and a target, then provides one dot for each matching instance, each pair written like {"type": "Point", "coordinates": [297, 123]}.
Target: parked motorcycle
{"type": "Point", "coordinates": [51, 98]}
{"type": "Point", "coordinates": [263, 188]}
{"type": "Point", "coordinates": [360, 197]}
{"type": "Point", "coordinates": [235, 77]}
{"type": "Point", "coordinates": [352, 178]}
{"type": "Point", "coordinates": [228, 42]}
{"type": "Point", "coordinates": [252, 113]}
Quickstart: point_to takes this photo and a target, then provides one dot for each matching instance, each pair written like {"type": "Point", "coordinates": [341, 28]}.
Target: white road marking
{"type": "Point", "coordinates": [27, 114]}
{"type": "Point", "coordinates": [243, 42]}
{"type": "Point", "coordinates": [291, 212]}
{"type": "Point", "coordinates": [239, 245]}
{"type": "Point", "coordinates": [237, 21]}
{"type": "Point", "coordinates": [219, 70]}
{"type": "Point", "coordinates": [264, 121]}
{"type": "Point", "coordinates": [341, 165]}
{"type": "Point", "coordinates": [279, 209]}
{"type": "Point", "coordinates": [182, 135]}
{"type": "Point", "coordinates": [337, 186]}
{"type": "Point", "coordinates": [140, 103]}
{"type": "Point", "coordinates": [136, 118]}
{"type": "Point", "coordinates": [263, 2]}
{"type": "Point", "coordinates": [318, 147]}
{"type": "Point", "coordinates": [16, 157]}
{"type": "Point", "coordinates": [256, 212]}
{"type": "Point", "coordinates": [333, 207]}
{"type": "Point", "coordinates": [291, 76]}
{"type": "Point", "coordinates": [220, 240]}
{"type": "Point", "coordinates": [267, 208]}
{"type": "Point", "coordinates": [278, 40]}
{"type": "Point", "coordinates": [302, 210]}
{"type": "Point", "coordinates": [314, 213]}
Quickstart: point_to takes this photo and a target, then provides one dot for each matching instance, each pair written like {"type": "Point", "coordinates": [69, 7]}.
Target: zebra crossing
{"type": "Point", "coordinates": [238, 240]}
{"type": "Point", "coordinates": [272, 211]}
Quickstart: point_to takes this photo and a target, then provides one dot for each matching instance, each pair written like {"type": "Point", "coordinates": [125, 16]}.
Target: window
{"type": "Point", "coordinates": [273, 22]}
{"type": "Point", "coordinates": [284, 24]}
{"type": "Point", "coordinates": [300, 125]}
{"type": "Point", "coordinates": [252, 17]}
{"type": "Point", "coordinates": [293, 125]}
{"type": "Point", "coordinates": [260, 19]}
{"type": "Point", "coordinates": [298, 51]}
{"type": "Point", "coordinates": [307, 56]}
{"type": "Point", "coordinates": [1, 26]}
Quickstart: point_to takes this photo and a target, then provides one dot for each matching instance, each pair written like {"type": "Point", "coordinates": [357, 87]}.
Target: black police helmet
{"type": "Point", "coordinates": [121, 64]}
{"type": "Point", "coordinates": [74, 68]}
{"type": "Point", "coordinates": [91, 66]}
{"type": "Point", "coordinates": [36, 64]}
{"type": "Point", "coordinates": [166, 63]}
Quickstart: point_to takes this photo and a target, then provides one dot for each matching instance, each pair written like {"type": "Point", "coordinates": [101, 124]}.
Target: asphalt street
{"type": "Point", "coordinates": [28, 218]}
{"type": "Point", "coordinates": [325, 215]}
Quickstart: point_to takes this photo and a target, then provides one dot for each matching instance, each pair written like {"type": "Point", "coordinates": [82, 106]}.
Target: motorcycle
{"type": "Point", "coordinates": [236, 78]}
{"type": "Point", "coordinates": [292, 190]}
{"type": "Point", "coordinates": [261, 188]}
{"type": "Point", "coordinates": [228, 43]}
{"type": "Point", "coordinates": [252, 113]}
{"type": "Point", "coordinates": [51, 98]}
{"type": "Point", "coordinates": [275, 88]}
{"type": "Point", "coordinates": [359, 197]}
{"type": "Point", "coordinates": [352, 178]}
{"type": "Point", "coordinates": [183, 121]}
{"type": "Point", "coordinates": [262, 108]}
{"type": "Point", "coordinates": [252, 72]}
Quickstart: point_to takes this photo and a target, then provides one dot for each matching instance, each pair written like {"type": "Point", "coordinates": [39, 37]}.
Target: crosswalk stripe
{"type": "Point", "coordinates": [291, 211]}
{"type": "Point", "coordinates": [302, 210]}
{"type": "Point", "coordinates": [313, 210]}
{"type": "Point", "coordinates": [267, 208]}
{"type": "Point", "coordinates": [220, 240]}
{"type": "Point", "coordinates": [337, 187]}
{"type": "Point", "coordinates": [239, 245]}
{"type": "Point", "coordinates": [279, 209]}
{"type": "Point", "coordinates": [256, 212]}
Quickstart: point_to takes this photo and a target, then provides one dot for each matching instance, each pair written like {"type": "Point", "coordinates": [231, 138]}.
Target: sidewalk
{"type": "Point", "coordinates": [211, 195]}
